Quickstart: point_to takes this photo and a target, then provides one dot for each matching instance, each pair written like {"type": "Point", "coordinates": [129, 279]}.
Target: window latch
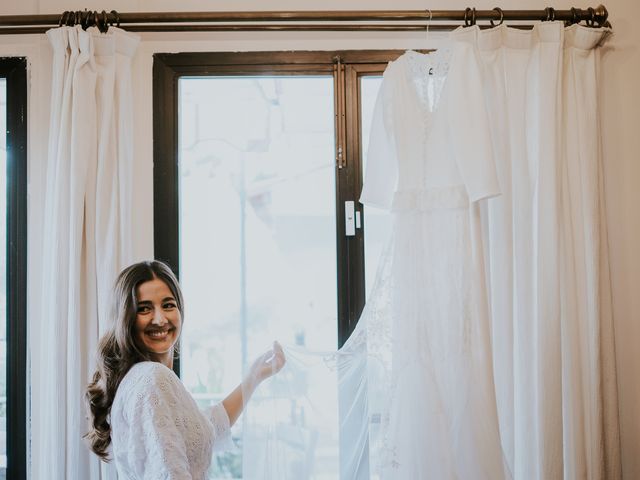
{"type": "Point", "coordinates": [351, 218]}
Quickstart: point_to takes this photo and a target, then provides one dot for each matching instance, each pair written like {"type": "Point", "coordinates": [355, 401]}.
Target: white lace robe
{"type": "Point", "coordinates": [157, 429]}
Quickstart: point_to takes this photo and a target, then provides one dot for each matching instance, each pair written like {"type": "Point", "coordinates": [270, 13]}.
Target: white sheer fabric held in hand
{"type": "Point", "coordinates": [411, 393]}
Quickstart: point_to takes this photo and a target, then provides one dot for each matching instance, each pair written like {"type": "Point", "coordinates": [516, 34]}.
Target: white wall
{"type": "Point", "coordinates": [621, 131]}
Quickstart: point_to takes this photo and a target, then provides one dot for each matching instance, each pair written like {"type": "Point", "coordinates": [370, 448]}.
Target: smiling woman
{"type": "Point", "coordinates": [137, 405]}
{"type": "Point", "coordinates": [158, 320]}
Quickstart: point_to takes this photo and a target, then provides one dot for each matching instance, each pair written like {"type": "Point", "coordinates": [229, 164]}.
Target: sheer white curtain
{"type": "Point", "coordinates": [547, 252]}
{"type": "Point", "coordinates": [86, 237]}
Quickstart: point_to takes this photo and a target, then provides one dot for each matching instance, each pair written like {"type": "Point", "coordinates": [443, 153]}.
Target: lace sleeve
{"type": "Point", "coordinates": [221, 428]}
{"type": "Point", "coordinates": [161, 450]}
{"type": "Point", "coordinates": [381, 174]}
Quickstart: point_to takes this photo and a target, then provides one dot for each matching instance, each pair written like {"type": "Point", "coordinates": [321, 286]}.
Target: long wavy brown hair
{"type": "Point", "coordinates": [118, 349]}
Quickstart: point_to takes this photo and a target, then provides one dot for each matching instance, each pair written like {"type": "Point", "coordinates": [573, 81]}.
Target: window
{"type": "Point", "coordinates": [13, 399]}
{"type": "Point", "coordinates": [257, 159]}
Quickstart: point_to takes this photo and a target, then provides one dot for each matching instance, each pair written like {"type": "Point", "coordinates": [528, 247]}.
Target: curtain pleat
{"type": "Point", "coordinates": [86, 240]}
{"type": "Point", "coordinates": [548, 265]}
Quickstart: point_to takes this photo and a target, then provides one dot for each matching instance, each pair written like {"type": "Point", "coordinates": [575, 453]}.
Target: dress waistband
{"type": "Point", "coordinates": [424, 199]}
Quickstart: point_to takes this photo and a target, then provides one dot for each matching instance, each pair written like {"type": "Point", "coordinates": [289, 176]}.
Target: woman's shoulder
{"type": "Point", "coordinates": [149, 368]}
{"type": "Point", "coordinates": [149, 373]}
{"type": "Point", "coordinates": [145, 377]}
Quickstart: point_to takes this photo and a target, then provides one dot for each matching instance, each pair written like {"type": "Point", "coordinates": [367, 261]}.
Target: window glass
{"type": "Point", "coordinates": [257, 227]}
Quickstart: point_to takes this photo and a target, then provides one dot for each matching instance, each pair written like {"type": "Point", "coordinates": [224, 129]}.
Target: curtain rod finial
{"type": "Point", "coordinates": [601, 14]}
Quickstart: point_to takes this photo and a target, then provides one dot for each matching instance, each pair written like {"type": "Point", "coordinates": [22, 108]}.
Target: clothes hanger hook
{"type": "Point", "coordinates": [429, 21]}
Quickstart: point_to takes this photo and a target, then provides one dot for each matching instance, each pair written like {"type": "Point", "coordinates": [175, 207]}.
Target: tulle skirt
{"type": "Point", "coordinates": [411, 394]}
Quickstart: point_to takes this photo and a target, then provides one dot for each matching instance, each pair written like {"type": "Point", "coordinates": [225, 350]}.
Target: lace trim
{"type": "Point", "coordinates": [434, 63]}
{"type": "Point", "coordinates": [428, 74]}
{"type": "Point", "coordinates": [429, 71]}
{"type": "Point", "coordinates": [221, 429]}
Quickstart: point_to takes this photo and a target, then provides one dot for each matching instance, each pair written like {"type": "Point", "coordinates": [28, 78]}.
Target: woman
{"type": "Point", "coordinates": [138, 405]}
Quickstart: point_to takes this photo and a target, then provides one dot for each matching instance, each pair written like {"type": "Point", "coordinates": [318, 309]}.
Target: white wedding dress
{"type": "Point", "coordinates": [430, 163]}
{"type": "Point", "coordinates": [414, 382]}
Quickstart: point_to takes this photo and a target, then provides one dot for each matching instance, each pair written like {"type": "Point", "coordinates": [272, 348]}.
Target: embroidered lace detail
{"type": "Point", "coordinates": [429, 72]}
{"type": "Point", "coordinates": [158, 430]}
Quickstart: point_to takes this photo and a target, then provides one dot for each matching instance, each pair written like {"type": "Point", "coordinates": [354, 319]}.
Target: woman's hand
{"type": "Point", "coordinates": [267, 364]}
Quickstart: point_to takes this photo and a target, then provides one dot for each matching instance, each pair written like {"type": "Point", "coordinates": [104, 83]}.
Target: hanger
{"type": "Point", "coordinates": [428, 25]}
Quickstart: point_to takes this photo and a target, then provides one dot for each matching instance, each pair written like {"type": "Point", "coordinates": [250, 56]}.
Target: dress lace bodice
{"type": "Point", "coordinates": [429, 132]}
{"type": "Point", "coordinates": [157, 429]}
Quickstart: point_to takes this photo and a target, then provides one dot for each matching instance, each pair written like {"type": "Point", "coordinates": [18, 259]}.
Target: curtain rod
{"type": "Point", "coordinates": [386, 20]}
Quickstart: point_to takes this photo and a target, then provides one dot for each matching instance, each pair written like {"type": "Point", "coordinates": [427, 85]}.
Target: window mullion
{"type": "Point", "coordinates": [350, 248]}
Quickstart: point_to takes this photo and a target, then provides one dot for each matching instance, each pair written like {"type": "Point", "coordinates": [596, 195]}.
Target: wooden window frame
{"type": "Point", "coordinates": [346, 67]}
{"type": "Point", "coordinates": [14, 70]}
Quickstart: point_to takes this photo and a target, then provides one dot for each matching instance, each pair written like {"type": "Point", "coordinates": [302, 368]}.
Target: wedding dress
{"type": "Point", "coordinates": [415, 390]}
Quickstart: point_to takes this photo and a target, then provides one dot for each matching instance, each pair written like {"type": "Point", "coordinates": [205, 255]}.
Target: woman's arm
{"type": "Point", "coordinates": [268, 364]}
{"type": "Point", "coordinates": [233, 404]}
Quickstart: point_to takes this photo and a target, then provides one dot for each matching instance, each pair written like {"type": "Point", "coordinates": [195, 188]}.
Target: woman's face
{"type": "Point", "coordinates": [158, 321]}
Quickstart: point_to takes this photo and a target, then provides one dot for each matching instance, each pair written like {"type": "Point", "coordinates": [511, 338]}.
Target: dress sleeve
{"type": "Point", "coordinates": [381, 173]}
{"type": "Point", "coordinates": [159, 448]}
{"type": "Point", "coordinates": [468, 120]}
{"type": "Point", "coordinates": [221, 428]}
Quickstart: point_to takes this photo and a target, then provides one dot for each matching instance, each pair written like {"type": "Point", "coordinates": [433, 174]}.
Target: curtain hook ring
{"type": "Point", "coordinates": [551, 14]}
{"type": "Point", "coordinates": [499, 10]}
{"type": "Point", "coordinates": [62, 18]}
{"type": "Point", "coordinates": [575, 15]}
{"type": "Point", "coordinates": [116, 18]}
{"type": "Point", "coordinates": [473, 16]}
{"type": "Point", "coordinates": [591, 21]}
{"type": "Point", "coordinates": [572, 20]}
{"type": "Point", "coordinates": [466, 16]}
{"type": "Point", "coordinates": [104, 26]}
{"type": "Point", "coordinates": [87, 18]}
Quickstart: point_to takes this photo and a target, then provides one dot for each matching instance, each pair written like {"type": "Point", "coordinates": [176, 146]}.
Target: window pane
{"type": "Point", "coordinates": [3, 269]}
{"type": "Point", "coordinates": [257, 226]}
{"type": "Point", "coordinates": [376, 220]}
